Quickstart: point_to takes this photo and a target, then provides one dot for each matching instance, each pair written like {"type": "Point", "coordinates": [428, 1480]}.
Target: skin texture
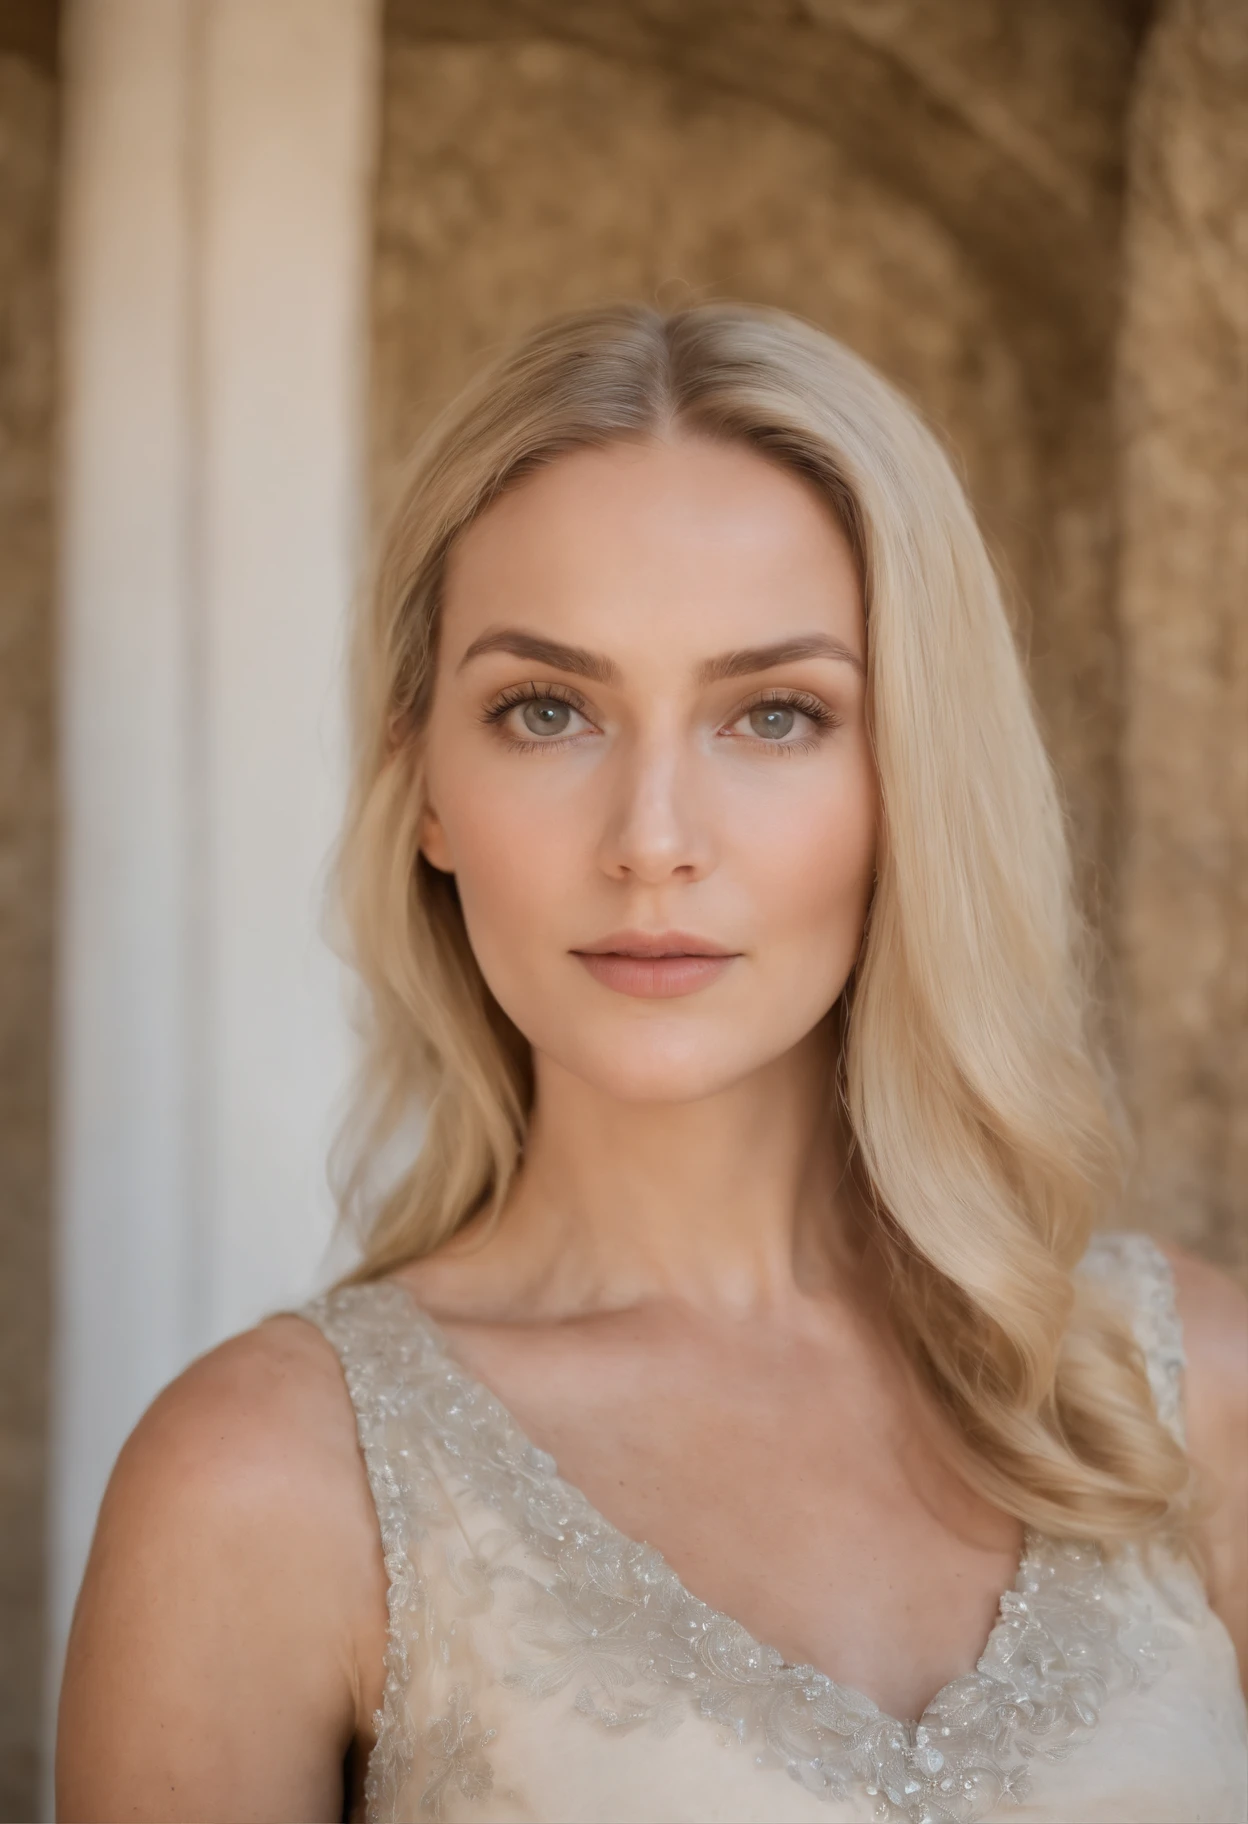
{"type": "Point", "coordinates": [680, 1301]}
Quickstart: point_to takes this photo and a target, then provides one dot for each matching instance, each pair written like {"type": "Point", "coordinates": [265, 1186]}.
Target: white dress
{"type": "Point", "coordinates": [542, 1666]}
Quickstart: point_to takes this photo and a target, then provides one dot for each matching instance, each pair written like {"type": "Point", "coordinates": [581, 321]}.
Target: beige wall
{"type": "Point", "coordinates": [945, 187]}
{"type": "Point", "coordinates": [27, 160]}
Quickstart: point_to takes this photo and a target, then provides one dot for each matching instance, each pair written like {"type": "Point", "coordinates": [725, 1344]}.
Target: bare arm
{"type": "Point", "coordinates": [227, 1645]}
{"type": "Point", "coordinates": [1215, 1333]}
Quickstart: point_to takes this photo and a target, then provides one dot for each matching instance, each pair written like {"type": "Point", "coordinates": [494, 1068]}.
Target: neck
{"type": "Point", "coordinates": [733, 1203]}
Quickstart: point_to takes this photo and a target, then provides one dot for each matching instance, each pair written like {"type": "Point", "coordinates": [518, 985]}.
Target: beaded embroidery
{"type": "Point", "coordinates": [611, 1621]}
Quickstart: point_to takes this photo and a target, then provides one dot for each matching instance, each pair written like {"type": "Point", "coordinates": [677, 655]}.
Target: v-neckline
{"type": "Point", "coordinates": [542, 1463]}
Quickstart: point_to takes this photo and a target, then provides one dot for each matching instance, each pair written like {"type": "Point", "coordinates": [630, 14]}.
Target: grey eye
{"type": "Point", "coordinates": [773, 721]}
{"type": "Point", "coordinates": [546, 716]}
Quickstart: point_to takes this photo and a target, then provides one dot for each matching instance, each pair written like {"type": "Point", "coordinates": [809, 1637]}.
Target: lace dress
{"type": "Point", "coordinates": [542, 1666]}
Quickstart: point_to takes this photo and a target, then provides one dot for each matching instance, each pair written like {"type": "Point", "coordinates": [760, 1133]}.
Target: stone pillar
{"type": "Point", "coordinates": [1183, 393]}
{"type": "Point", "coordinates": [217, 231]}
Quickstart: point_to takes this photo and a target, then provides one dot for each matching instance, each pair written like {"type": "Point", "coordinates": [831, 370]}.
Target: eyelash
{"type": "Point", "coordinates": [813, 708]}
{"type": "Point", "coordinates": [508, 699]}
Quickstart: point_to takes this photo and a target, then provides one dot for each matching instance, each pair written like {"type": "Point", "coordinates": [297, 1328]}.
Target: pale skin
{"type": "Point", "coordinates": [679, 1301]}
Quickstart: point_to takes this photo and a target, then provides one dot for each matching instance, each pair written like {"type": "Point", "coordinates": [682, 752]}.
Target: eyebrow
{"type": "Point", "coordinates": [743, 662]}
{"type": "Point", "coordinates": [749, 659]}
{"type": "Point", "coordinates": [554, 653]}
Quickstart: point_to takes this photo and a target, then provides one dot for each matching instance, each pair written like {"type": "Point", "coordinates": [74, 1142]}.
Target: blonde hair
{"type": "Point", "coordinates": [972, 1093]}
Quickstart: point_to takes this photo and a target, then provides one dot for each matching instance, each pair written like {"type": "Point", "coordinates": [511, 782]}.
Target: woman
{"type": "Point", "coordinates": [707, 879]}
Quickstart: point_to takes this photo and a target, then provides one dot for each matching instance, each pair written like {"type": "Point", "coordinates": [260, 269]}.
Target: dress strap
{"type": "Point", "coordinates": [386, 1352]}
{"type": "Point", "coordinates": [1134, 1271]}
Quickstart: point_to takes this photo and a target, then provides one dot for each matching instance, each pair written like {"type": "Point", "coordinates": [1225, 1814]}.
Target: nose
{"type": "Point", "coordinates": [654, 831]}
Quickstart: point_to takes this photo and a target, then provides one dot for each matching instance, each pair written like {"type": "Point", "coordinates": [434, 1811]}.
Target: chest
{"type": "Point", "coordinates": [564, 1670]}
{"type": "Point", "coordinates": [813, 1508]}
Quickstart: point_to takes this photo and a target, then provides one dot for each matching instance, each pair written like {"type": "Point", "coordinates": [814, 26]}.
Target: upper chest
{"type": "Point", "coordinates": [531, 1628]}
{"type": "Point", "coordinates": [566, 1667]}
{"type": "Point", "coordinates": [798, 1488]}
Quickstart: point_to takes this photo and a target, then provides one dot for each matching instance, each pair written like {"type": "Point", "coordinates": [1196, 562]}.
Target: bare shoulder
{"type": "Point", "coordinates": [254, 1443]}
{"type": "Point", "coordinates": [1214, 1315]}
{"type": "Point", "coordinates": [263, 1417]}
{"type": "Point", "coordinates": [234, 1600]}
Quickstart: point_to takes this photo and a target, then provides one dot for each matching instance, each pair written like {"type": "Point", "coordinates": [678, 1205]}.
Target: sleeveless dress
{"type": "Point", "coordinates": [542, 1666]}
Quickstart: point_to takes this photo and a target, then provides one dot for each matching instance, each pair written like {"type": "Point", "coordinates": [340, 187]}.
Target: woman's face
{"type": "Point", "coordinates": [647, 762]}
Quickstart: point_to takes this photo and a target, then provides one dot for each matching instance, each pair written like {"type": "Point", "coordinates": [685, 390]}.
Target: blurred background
{"type": "Point", "coordinates": [247, 247]}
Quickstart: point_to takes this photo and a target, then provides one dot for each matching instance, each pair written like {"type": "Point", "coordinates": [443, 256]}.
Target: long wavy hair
{"type": "Point", "coordinates": [976, 1104]}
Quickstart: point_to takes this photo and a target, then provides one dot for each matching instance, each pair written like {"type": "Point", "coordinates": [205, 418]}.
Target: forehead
{"type": "Point", "coordinates": [681, 544]}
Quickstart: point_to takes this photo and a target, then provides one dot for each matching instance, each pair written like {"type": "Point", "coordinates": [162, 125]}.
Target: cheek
{"type": "Point", "coordinates": [810, 859]}
{"type": "Point", "coordinates": [513, 845]}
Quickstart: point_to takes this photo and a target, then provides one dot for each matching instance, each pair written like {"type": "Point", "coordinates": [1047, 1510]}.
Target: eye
{"type": "Point", "coordinates": [773, 721]}
{"type": "Point", "coordinates": [793, 721]}
{"type": "Point", "coordinates": [544, 716]}
{"type": "Point", "coordinates": [536, 715]}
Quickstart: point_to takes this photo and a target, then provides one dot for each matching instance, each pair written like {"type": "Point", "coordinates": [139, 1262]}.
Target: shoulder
{"type": "Point", "coordinates": [1190, 1317]}
{"type": "Point", "coordinates": [1213, 1312]}
{"type": "Point", "coordinates": [1214, 1309]}
{"type": "Point", "coordinates": [263, 1422]}
{"type": "Point", "coordinates": [235, 1588]}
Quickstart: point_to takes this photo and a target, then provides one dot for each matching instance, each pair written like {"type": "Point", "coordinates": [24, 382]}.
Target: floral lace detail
{"type": "Point", "coordinates": [609, 1620]}
{"type": "Point", "coordinates": [380, 1349]}
{"type": "Point", "coordinates": [457, 1757]}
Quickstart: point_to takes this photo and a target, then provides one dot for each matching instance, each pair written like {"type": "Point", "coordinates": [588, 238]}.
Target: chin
{"type": "Point", "coordinates": [636, 1067]}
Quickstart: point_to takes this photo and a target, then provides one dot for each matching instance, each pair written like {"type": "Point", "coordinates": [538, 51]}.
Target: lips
{"type": "Point", "coordinates": [655, 965]}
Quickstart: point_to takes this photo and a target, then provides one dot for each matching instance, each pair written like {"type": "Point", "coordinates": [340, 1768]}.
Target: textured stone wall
{"type": "Point", "coordinates": [1184, 619]}
{"type": "Point", "coordinates": [27, 156]}
{"type": "Point", "coordinates": [531, 177]}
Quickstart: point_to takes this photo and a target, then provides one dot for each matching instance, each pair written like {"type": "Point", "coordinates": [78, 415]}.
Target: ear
{"type": "Point", "coordinates": [433, 844]}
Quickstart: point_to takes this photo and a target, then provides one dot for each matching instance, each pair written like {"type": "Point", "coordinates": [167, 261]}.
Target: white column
{"type": "Point", "coordinates": [288, 106]}
{"type": "Point", "coordinates": [216, 241]}
{"type": "Point", "coordinates": [125, 1242]}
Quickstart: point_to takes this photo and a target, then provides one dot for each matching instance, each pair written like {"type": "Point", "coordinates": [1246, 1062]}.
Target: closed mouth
{"type": "Point", "coordinates": [655, 965]}
{"type": "Point", "coordinates": [654, 944]}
